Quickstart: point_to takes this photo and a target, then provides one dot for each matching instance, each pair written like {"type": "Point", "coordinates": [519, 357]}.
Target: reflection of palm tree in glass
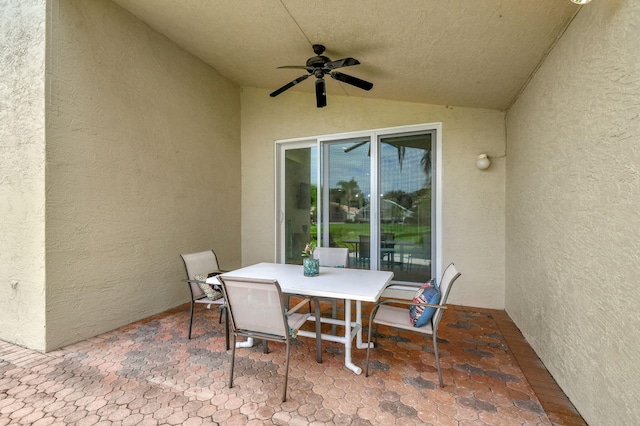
{"type": "Point", "coordinates": [351, 189]}
{"type": "Point", "coordinates": [425, 161]}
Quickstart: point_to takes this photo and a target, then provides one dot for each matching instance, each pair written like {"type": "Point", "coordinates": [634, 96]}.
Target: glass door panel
{"type": "Point", "coordinates": [346, 192]}
{"type": "Point", "coordinates": [405, 209]}
{"type": "Point", "coordinates": [300, 202]}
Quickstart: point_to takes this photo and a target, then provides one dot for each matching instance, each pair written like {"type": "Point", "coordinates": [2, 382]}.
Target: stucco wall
{"type": "Point", "coordinates": [143, 163]}
{"type": "Point", "coordinates": [573, 212]}
{"type": "Point", "coordinates": [22, 151]}
{"type": "Point", "coordinates": [473, 200]}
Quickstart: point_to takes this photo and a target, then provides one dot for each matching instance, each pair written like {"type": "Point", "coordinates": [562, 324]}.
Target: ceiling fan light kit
{"type": "Point", "coordinates": [319, 66]}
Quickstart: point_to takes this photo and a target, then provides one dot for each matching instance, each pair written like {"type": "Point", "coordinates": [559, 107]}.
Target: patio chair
{"type": "Point", "coordinates": [201, 265]}
{"type": "Point", "coordinates": [421, 252]}
{"type": "Point", "coordinates": [334, 257]}
{"type": "Point", "coordinates": [256, 310]}
{"type": "Point", "coordinates": [398, 317]}
{"type": "Point", "coordinates": [387, 250]}
{"type": "Point", "coordinates": [364, 249]}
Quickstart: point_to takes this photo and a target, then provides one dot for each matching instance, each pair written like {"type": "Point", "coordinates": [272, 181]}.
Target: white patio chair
{"type": "Point", "coordinates": [256, 310]}
{"type": "Point", "coordinates": [203, 264]}
{"type": "Point", "coordinates": [398, 317]}
{"type": "Point", "coordinates": [333, 257]}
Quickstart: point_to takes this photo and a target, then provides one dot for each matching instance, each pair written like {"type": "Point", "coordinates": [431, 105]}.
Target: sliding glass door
{"type": "Point", "coordinates": [297, 194]}
{"type": "Point", "coordinates": [345, 195]}
{"type": "Point", "coordinates": [373, 192]}
{"type": "Point", "coordinates": [406, 205]}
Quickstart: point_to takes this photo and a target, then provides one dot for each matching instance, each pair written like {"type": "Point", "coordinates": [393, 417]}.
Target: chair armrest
{"type": "Point", "coordinates": [216, 273]}
{"type": "Point", "coordinates": [400, 291]}
{"type": "Point", "coordinates": [217, 286]}
{"type": "Point", "coordinates": [298, 306]}
{"type": "Point", "coordinates": [406, 302]}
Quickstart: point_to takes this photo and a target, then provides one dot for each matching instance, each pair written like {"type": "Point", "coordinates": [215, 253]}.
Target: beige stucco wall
{"type": "Point", "coordinates": [143, 163]}
{"type": "Point", "coordinates": [573, 212]}
{"type": "Point", "coordinates": [22, 151]}
{"type": "Point", "coordinates": [473, 200]}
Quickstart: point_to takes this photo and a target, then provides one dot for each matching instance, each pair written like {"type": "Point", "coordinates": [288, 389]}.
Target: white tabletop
{"type": "Point", "coordinates": [339, 283]}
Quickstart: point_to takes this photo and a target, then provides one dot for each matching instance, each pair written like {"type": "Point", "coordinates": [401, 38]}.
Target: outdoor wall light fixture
{"type": "Point", "coordinates": [581, 1]}
{"type": "Point", "coordinates": [483, 162]}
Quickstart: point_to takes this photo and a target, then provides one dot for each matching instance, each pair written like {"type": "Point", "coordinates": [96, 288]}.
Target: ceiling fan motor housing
{"type": "Point", "coordinates": [317, 61]}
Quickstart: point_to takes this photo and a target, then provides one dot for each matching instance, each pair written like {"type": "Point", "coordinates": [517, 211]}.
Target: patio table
{"type": "Point", "coordinates": [357, 285]}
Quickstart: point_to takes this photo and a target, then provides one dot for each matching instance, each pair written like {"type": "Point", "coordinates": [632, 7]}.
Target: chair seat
{"type": "Point", "coordinates": [296, 320]}
{"type": "Point", "coordinates": [208, 301]}
{"type": "Point", "coordinates": [396, 317]}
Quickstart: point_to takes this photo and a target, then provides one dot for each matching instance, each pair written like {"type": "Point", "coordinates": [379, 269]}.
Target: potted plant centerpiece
{"type": "Point", "coordinates": [311, 266]}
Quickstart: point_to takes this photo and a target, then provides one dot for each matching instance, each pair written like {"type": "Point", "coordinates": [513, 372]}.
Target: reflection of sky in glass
{"type": "Point", "coordinates": [408, 178]}
{"type": "Point", "coordinates": [356, 164]}
{"type": "Point", "coordinates": [347, 165]}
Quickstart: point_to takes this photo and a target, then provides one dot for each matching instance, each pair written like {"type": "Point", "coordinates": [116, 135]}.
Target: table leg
{"type": "Point", "coordinates": [246, 344]}
{"type": "Point", "coordinates": [318, 332]}
{"type": "Point", "coordinates": [348, 337]}
{"type": "Point", "coordinates": [359, 343]}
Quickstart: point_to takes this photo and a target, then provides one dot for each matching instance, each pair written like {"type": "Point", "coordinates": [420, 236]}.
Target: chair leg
{"type": "Point", "coordinates": [191, 318]}
{"type": "Point", "coordinates": [226, 326]}
{"type": "Point", "coordinates": [318, 332]}
{"type": "Point", "coordinates": [366, 373]}
{"type": "Point", "coordinates": [371, 316]}
{"type": "Point", "coordinates": [435, 350]}
{"type": "Point", "coordinates": [334, 315]}
{"type": "Point", "coordinates": [233, 358]}
{"type": "Point", "coordinates": [376, 336]}
{"type": "Point", "coordinates": [286, 374]}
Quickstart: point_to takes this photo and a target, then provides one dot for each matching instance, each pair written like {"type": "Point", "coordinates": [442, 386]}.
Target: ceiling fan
{"type": "Point", "coordinates": [319, 66]}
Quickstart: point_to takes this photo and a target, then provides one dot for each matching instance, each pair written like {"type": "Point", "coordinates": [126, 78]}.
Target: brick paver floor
{"type": "Point", "coordinates": [149, 373]}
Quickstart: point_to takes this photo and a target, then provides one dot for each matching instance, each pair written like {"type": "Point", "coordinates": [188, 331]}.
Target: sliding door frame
{"type": "Point", "coordinates": [374, 136]}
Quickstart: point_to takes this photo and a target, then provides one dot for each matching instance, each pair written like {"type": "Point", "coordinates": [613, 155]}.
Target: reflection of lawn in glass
{"type": "Point", "coordinates": [351, 231]}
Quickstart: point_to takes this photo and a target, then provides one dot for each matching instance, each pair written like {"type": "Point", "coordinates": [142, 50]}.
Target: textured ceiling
{"type": "Point", "coordinates": [469, 53]}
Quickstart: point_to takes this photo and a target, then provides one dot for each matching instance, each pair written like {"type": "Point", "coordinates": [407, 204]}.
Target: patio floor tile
{"type": "Point", "coordinates": [149, 373]}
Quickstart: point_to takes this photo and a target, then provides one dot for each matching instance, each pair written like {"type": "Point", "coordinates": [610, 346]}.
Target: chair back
{"type": "Point", "coordinates": [332, 256]}
{"type": "Point", "coordinates": [448, 277]}
{"type": "Point", "coordinates": [387, 236]}
{"type": "Point", "coordinates": [255, 306]}
{"type": "Point", "coordinates": [200, 263]}
{"type": "Point", "coordinates": [364, 249]}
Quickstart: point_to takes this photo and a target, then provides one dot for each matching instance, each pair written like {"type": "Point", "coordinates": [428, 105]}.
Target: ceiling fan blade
{"type": "Point", "coordinates": [321, 93]}
{"type": "Point", "coordinates": [354, 81]}
{"type": "Point", "coordinates": [346, 62]}
{"type": "Point", "coordinates": [296, 67]}
{"type": "Point", "coordinates": [289, 85]}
